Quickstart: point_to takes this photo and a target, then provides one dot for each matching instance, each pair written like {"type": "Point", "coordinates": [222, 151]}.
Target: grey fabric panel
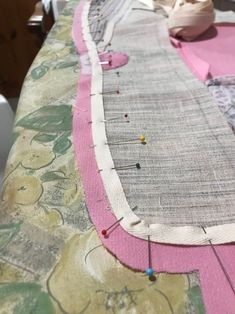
{"type": "Point", "coordinates": [98, 19]}
{"type": "Point", "coordinates": [99, 15]}
{"type": "Point", "coordinates": [187, 166]}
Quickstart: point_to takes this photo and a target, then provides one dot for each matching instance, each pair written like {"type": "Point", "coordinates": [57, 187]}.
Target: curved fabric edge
{"type": "Point", "coordinates": [199, 67]}
{"type": "Point", "coordinates": [131, 251]}
{"type": "Point", "coordinates": [185, 235]}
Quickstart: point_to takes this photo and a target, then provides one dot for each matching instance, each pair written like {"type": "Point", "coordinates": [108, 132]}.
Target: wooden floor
{"type": "Point", "coordinates": [18, 46]}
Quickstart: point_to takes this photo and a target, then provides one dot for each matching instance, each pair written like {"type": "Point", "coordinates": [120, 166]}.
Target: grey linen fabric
{"type": "Point", "coordinates": [187, 174]}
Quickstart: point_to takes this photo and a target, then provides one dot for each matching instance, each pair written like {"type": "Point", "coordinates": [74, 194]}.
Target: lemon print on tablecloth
{"type": "Point", "coordinates": [85, 263]}
{"type": "Point", "coordinates": [52, 219]}
{"type": "Point", "coordinates": [23, 190]}
{"type": "Point", "coordinates": [49, 219]}
{"type": "Point", "coordinates": [38, 158]}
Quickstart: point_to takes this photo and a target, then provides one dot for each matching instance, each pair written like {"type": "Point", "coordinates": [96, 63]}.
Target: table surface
{"type": "Point", "coordinates": [51, 259]}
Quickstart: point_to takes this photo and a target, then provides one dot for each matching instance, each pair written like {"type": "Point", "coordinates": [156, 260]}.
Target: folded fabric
{"type": "Point", "coordinates": [188, 18]}
{"type": "Point", "coordinates": [212, 54]}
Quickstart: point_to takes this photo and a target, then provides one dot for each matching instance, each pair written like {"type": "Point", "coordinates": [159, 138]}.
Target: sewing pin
{"type": "Point", "coordinates": [220, 263]}
{"type": "Point", "coordinates": [95, 32]}
{"type": "Point", "coordinates": [94, 13]}
{"type": "Point", "coordinates": [105, 231]}
{"type": "Point", "coordinates": [109, 72]}
{"type": "Point", "coordinates": [137, 165]}
{"type": "Point", "coordinates": [117, 118]}
{"type": "Point", "coordinates": [141, 138]}
{"type": "Point", "coordinates": [107, 93]}
{"type": "Point", "coordinates": [93, 22]}
{"type": "Point", "coordinates": [104, 46]}
{"type": "Point", "coordinates": [149, 271]}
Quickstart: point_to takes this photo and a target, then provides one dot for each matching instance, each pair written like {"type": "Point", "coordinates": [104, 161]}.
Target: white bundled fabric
{"type": "Point", "coordinates": [186, 18]}
{"type": "Point", "coordinates": [189, 19]}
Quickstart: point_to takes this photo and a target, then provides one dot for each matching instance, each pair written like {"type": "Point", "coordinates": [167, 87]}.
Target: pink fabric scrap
{"type": "Point", "coordinates": [212, 54]}
{"type": "Point", "coordinates": [112, 60]}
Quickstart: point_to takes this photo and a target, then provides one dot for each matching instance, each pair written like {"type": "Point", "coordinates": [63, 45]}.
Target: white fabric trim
{"type": "Point", "coordinates": [186, 235]}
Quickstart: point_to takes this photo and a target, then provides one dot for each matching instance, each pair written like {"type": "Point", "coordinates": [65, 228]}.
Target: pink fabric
{"type": "Point", "coordinates": [114, 59]}
{"type": "Point", "coordinates": [218, 295]}
{"type": "Point", "coordinates": [211, 54]}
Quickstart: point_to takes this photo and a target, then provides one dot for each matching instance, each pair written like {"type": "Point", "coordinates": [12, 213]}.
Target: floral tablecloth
{"type": "Point", "coordinates": [51, 259]}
